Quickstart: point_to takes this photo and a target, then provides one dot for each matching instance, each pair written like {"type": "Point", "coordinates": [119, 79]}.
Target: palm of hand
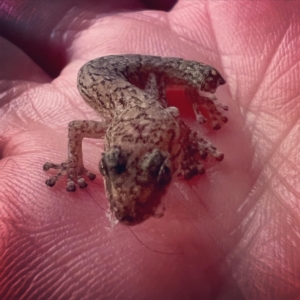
{"type": "Point", "coordinates": [230, 232]}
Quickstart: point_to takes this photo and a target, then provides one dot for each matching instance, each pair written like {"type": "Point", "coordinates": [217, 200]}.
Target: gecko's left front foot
{"type": "Point", "coordinates": [73, 173]}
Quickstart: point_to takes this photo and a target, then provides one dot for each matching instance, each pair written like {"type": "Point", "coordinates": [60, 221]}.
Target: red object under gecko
{"type": "Point", "coordinates": [176, 97]}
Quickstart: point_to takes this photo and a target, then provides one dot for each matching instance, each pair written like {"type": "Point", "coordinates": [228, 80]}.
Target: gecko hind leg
{"type": "Point", "coordinates": [205, 147]}
{"type": "Point", "coordinates": [197, 149]}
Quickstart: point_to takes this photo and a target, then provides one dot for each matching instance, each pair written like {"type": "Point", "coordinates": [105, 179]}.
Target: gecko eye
{"type": "Point", "coordinates": [120, 168]}
{"type": "Point", "coordinates": [114, 161]}
{"type": "Point", "coordinates": [158, 166]}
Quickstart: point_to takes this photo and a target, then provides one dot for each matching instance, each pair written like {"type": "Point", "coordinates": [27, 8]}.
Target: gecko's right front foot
{"type": "Point", "coordinates": [73, 173]}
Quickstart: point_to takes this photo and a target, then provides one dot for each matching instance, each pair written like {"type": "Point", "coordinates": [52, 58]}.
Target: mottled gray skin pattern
{"type": "Point", "coordinates": [146, 142]}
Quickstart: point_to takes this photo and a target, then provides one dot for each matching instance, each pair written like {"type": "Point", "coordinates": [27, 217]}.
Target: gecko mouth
{"type": "Point", "coordinates": [138, 212]}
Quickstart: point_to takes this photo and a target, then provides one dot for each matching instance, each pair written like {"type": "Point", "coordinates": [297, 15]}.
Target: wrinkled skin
{"type": "Point", "coordinates": [230, 234]}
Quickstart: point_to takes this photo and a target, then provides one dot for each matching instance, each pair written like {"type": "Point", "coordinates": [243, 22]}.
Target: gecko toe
{"type": "Point", "coordinates": [224, 119]}
{"type": "Point", "coordinates": [47, 166]}
{"type": "Point", "coordinates": [217, 127]}
{"type": "Point", "coordinates": [71, 187]}
{"type": "Point", "coordinates": [81, 183]}
{"type": "Point", "coordinates": [219, 156]}
{"type": "Point", "coordinates": [51, 181]}
{"type": "Point", "coordinates": [90, 175]}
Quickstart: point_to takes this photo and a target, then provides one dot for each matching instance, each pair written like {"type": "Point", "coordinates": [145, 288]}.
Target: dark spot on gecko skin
{"type": "Point", "coordinates": [121, 101]}
{"type": "Point", "coordinates": [141, 115]}
{"type": "Point", "coordinates": [127, 138]}
{"type": "Point", "coordinates": [90, 65]}
{"type": "Point", "coordinates": [86, 95]}
{"type": "Point", "coordinates": [117, 89]}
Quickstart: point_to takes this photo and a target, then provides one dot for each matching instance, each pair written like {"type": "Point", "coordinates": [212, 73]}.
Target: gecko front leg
{"type": "Point", "coordinates": [73, 167]}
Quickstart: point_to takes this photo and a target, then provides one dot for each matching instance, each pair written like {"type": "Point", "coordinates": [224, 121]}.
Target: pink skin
{"type": "Point", "coordinates": [230, 234]}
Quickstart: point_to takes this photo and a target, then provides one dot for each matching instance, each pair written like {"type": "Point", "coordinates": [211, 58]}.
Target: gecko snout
{"type": "Point", "coordinates": [221, 80]}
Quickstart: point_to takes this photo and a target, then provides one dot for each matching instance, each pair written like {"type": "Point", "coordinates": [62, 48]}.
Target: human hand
{"type": "Point", "coordinates": [231, 233]}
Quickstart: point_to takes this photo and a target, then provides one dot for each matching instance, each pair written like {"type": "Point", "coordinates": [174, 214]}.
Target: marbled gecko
{"type": "Point", "coordinates": [146, 142]}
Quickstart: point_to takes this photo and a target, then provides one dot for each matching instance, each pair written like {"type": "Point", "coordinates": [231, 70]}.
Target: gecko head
{"type": "Point", "coordinates": [134, 181]}
{"type": "Point", "coordinates": [212, 80]}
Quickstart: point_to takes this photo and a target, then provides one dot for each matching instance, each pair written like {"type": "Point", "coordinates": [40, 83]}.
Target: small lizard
{"type": "Point", "coordinates": [146, 141]}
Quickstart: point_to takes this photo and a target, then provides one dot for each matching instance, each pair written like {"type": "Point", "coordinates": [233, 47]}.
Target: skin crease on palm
{"type": "Point", "coordinates": [232, 233]}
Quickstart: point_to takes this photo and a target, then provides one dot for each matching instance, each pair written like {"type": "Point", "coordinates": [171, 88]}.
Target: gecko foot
{"type": "Point", "coordinates": [206, 147]}
{"type": "Point", "coordinates": [197, 149]}
{"type": "Point", "coordinates": [72, 172]}
{"type": "Point", "coordinates": [205, 108]}
{"type": "Point", "coordinates": [191, 167]}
